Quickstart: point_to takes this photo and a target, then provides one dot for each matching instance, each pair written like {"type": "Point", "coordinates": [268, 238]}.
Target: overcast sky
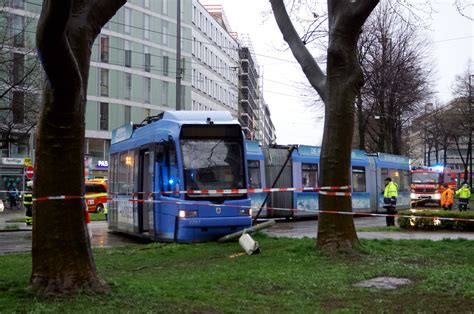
{"type": "Point", "coordinates": [453, 44]}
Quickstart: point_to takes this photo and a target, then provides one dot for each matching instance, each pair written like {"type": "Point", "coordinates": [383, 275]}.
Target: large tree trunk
{"type": "Point", "coordinates": [338, 90]}
{"type": "Point", "coordinates": [62, 257]}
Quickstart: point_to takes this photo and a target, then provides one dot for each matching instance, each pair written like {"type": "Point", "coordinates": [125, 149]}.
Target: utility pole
{"type": "Point", "coordinates": [178, 55]}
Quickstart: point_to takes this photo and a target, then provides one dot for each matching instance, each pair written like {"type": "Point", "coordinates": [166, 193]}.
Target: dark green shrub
{"type": "Point", "coordinates": [433, 220]}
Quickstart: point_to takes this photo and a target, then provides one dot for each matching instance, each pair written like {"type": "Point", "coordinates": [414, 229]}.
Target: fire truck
{"type": "Point", "coordinates": [427, 184]}
{"type": "Point", "coordinates": [96, 195]}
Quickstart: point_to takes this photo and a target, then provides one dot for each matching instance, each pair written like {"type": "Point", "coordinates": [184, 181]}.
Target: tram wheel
{"type": "Point", "coordinates": [99, 208]}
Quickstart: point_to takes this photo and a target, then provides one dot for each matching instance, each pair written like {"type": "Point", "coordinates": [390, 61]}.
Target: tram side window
{"type": "Point", "coordinates": [406, 180]}
{"type": "Point", "coordinates": [397, 176]}
{"type": "Point", "coordinates": [125, 173]}
{"type": "Point", "coordinates": [169, 174]}
{"type": "Point", "coordinates": [358, 179]}
{"type": "Point", "coordinates": [309, 175]}
{"type": "Point", "coordinates": [254, 174]}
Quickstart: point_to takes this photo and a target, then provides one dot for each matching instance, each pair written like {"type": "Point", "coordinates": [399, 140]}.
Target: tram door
{"type": "Point", "coordinates": [145, 209]}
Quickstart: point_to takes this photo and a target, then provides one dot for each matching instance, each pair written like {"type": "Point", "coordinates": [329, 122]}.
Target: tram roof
{"type": "Point", "coordinates": [164, 125]}
{"type": "Point", "coordinates": [199, 117]}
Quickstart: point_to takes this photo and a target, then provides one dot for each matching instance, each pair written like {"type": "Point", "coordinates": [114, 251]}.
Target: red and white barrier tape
{"type": "Point", "coordinates": [316, 212]}
{"type": "Point", "coordinates": [252, 190]}
{"type": "Point", "coordinates": [326, 190]}
{"type": "Point", "coordinates": [57, 197]}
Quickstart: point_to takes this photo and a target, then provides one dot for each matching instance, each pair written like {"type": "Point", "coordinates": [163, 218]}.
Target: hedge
{"type": "Point", "coordinates": [418, 223]}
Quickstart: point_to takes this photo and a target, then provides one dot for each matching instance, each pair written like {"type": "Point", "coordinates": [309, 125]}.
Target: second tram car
{"type": "Point", "coordinates": [302, 168]}
{"type": "Point", "coordinates": [172, 153]}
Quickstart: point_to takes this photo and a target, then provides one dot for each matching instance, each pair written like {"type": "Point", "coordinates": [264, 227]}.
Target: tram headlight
{"type": "Point", "coordinates": [187, 213]}
{"type": "Point", "coordinates": [437, 196]}
{"type": "Point", "coordinates": [246, 212]}
{"type": "Point", "coordinates": [413, 195]}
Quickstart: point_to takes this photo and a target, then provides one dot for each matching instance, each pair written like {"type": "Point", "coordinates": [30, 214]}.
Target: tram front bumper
{"type": "Point", "coordinates": [196, 222]}
{"type": "Point", "coordinates": [208, 229]}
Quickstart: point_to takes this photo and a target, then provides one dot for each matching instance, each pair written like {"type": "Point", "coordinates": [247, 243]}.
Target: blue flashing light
{"type": "Point", "coordinates": [438, 168]}
{"type": "Point", "coordinates": [171, 181]}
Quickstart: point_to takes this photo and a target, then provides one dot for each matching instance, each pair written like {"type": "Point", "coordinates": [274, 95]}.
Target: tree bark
{"type": "Point", "coordinates": [62, 257]}
{"type": "Point", "coordinates": [338, 90]}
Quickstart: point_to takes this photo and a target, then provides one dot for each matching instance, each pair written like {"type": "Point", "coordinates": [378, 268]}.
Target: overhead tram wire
{"type": "Point", "coordinates": [159, 70]}
{"type": "Point", "coordinates": [230, 48]}
{"type": "Point", "coordinates": [202, 63]}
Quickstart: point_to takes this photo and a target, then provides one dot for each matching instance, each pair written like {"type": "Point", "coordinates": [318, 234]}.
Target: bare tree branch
{"type": "Point", "coordinates": [310, 68]}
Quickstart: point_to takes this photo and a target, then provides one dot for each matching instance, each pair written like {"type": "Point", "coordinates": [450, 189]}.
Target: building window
{"type": "Point", "coordinates": [147, 3]}
{"type": "Point", "coordinates": [17, 29]}
{"type": "Point", "coordinates": [18, 106]}
{"type": "Point", "coordinates": [127, 114]}
{"type": "Point", "coordinates": [147, 89]}
{"type": "Point", "coordinates": [128, 86]}
{"type": "Point", "coordinates": [18, 69]}
{"type": "Point", "coordinates": [146, 27]}
{"type": "Point", "coordinates": [128, 54]}
{"type": "Point", "coordinates": [104, 82]}
{"type": "Point", "coordinates": [17, 4]}
{"type": "Point", "coordinates": [164, 32]}
{"type": "Point", "coordinates": [104, 48]}
{"type": "Point", "coordinates": [147, 112]}
{"type": "Point", "coordinates": [165, 65]}
{"type": "Point", "coordinates": [358, 179]}
{"type": "Point", "coordinates": [183, 67]}
{"type": "Point", "coordinates": [181, 96]}
{"type": "Point", "coordinates": [164, 8]}
{"type": "Point", "coordinates": [309, 175]}
{"type": "Point", "coordinates": [127, 20]}
{"type": "Point", "coordinates": [96, 149]}
{"type": "Point", "coordinates": [147, 59]}
{"type": "Point", "coordinates": [164, 93]}
{"type": "Point", "coordinates": [104, 116]}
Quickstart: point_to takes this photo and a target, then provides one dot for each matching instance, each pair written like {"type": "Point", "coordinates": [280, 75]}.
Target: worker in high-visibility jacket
{"type": "Point", "coordinates": [447, 197]}
{"type": "Point", "coordinates": [390, 194]}
{"type": "Point", "coordinates": [105, 210]}
{"type": "Point", "coordinates": [464, 194]}
{"type": "Point", "coordinates": [28, 202]}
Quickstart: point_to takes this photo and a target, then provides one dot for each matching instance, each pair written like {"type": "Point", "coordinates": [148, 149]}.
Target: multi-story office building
{"type": "Point", "coordinates": [20, 79]}
{"type": "Point", "coordinates": [133, 70]}
{"type": "Point", "coordinates": [133, 67]}
{"type": "Point", "coordinates": [267, 129]}
{"type": "Point", "coordinates": [249, 95]}
{"type": "Point", "coordinates": [215, 60]}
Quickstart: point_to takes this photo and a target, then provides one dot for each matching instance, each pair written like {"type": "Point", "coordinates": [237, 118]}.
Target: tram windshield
{"type": "Point", "coordinates": [212, 164]}
{"type": "Point", "coordinates": [425, 177]}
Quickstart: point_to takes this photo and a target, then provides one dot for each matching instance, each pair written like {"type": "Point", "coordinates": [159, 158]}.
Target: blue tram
{"type": "Point", "coordinates": [368, 174]}
{"type": "Point", "coordinates": [167, 155]}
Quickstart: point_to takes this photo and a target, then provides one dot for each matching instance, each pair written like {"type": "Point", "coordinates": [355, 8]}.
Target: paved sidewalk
{"type": "Point", "coordinates": [298, 229]}
{"type": "Point", "coordinates": [9, 220]}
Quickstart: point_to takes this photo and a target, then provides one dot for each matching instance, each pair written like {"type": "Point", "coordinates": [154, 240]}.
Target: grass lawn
{"type": "Point", "coordinates": [97, 216]}
{"type": "Point", "coordinates": [288, 276]}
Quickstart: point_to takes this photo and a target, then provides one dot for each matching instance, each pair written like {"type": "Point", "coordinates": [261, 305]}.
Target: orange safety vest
{"type": "Point", "coordinates": [447, 197]}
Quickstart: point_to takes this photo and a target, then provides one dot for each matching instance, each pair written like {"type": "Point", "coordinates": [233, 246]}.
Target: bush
{"type": "Point", "coordinates": [432, 221]}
